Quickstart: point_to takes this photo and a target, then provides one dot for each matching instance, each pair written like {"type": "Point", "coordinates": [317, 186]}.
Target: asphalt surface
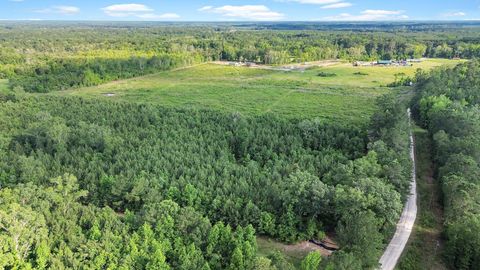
{"type": "Point", "coordinates": [394, 250]}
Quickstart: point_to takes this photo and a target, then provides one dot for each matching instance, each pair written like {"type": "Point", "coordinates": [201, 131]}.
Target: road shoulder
{"type": "Point", "coordinates": [425, 247]}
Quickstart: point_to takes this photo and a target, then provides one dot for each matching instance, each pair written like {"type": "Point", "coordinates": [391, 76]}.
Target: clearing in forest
{"type": "Point", "coordinates": [337, 92]}
{"type": "Point", "coordinates": [294, 253]}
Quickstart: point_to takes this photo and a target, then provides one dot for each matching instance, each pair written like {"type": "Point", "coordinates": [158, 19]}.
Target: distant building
{"type": "Point", "coordinates": [384, 62]}
{"type": "Point", "coordinates": [414, 60]}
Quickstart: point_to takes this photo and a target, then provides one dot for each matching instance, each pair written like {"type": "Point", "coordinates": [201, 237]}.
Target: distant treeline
{"type": "Point", "coordinates": [61, 74]}
{"type": "Point", "coordinates": [79, 55]}
{"type": "Point", "coordinates": [447, 103]}
{"type": "Point", "coordinates": [185, 189]}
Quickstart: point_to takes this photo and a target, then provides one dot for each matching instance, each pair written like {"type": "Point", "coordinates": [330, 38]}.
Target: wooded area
{"type": "Point", "coordinates": [105, 184]}
{"type": "Point", "coordinates": [447, 103]}
{"type": "Point", "coordinates": [48, 58]}
{"type": "Point", "coordinates": [165, 181]}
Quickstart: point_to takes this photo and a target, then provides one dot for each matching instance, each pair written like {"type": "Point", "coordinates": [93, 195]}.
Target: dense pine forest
{"type": "Point", "coordinates": [135, 186]}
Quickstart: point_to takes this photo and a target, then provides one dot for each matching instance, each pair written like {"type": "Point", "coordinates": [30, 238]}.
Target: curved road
{"type": "Point", "coordinates": [394, 250]}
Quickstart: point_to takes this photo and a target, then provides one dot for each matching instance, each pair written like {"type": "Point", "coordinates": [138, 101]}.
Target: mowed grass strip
{"type": "Point", "coordinates": [252, 91]}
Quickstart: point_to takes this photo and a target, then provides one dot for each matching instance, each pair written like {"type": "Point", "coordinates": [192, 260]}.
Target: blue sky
{"type": "Point", "coordinates": [240, 10]}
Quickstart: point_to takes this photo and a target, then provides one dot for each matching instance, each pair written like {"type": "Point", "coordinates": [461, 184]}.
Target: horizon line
{"type": "Point", "coordinates": [246, 21]}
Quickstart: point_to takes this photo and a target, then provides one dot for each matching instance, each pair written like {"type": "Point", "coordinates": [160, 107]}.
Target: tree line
{"type": "Point", "coordinates": [447, 104]}
{"type": "Point", "coordinates": [61, 74]}
{"type": "Point", "coordinates": [39, 59]}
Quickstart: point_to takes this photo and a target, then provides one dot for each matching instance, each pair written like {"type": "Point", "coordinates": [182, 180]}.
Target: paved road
{"type": "Point", "coordinates": [394, 250]}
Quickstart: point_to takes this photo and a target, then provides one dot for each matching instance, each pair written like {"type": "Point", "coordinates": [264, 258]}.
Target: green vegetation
{"type": "Point", "coordinates": [3, 86]}
{"type": "Point", "coordinates": [360, 73]}
{"type": "Point", "coordinates": [41, 58]}
{"type": "Point", "coordinates": [425, 250]}
{"type": "Point", "coordinates": [377, 76]}
{"type": "Point", "coordinates": [49, 227]}
{"type": "Point", "coordinates": [269, 247]}
{"type": "Point", "coordinates": [326, 75]}
{"type": "Point", "coordinates": [153, 157]}
{"type": "Point", "coordinates": [291, 180]}
{"type": "Point", "coordinates": [447, 104]}
{"type": "Point", "coordinates": [311, 261]}
{"type": "Point", "coordinates": [245, 90]}
{"type": "Point", "coordinates": [256, 91]}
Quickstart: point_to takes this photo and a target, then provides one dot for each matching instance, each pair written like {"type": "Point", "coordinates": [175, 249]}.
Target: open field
{"type": "Point", "coordinates": [346, 96]}
{"type": "Point", "coordinates": [375, 76]}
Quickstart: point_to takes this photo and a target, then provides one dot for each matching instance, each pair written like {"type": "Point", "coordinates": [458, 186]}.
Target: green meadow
{"type": "Point", "coordinates": [346, 94]}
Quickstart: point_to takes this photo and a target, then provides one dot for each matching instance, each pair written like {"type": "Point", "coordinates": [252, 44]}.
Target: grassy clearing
{"type": "Point", "coordinates": [425, 248]}
{"type": "Point", "coordinates": [294, 253]}
{"type": "Point", "coordinates": [348, 96]}
{"type": "Point", "coordinates": [248, 91]}
{"type": "Point", "coordinates": [267, 246]}
{"type": "Point", "coordinates": [375, 76]}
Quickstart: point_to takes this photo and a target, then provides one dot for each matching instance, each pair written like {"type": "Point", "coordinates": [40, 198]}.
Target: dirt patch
{"type": "Point", "coordinates": [298, 250]}
{"type": "Point", "coordinates": [307, 247]}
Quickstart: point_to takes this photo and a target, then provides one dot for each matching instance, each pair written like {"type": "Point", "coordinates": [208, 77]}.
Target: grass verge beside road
{"type": "Point", "coordinates": [424, 250]}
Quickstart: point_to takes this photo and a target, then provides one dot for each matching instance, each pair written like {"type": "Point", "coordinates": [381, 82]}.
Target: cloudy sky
{"type": "Point", "coordinates": [240, 10]}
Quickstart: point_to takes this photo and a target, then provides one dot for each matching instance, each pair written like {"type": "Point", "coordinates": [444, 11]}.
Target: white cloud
{"type": "Point", "coordinates": [246, 12]}
{"type": "Point", "coordinates": [205, 8]}
{"type": "Point", "coordinates": [337, 5]}
{"type": "Point", "coordinates": [136, 10]}
{"type": "Point", "coordinates": [380, 12]}
{"type": "Point", "coordinates": [15, 0]}
{"type": "Point", "coordinates": [455, 14]}
{"type": "Point", "coordinates": [65, 10]}
{"type": "Point", "coordinates": [369, 15]}
{"type": "Point", "coordinates": [325, 4]}
{"type": "Point", "coordinates": [126, 8]}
